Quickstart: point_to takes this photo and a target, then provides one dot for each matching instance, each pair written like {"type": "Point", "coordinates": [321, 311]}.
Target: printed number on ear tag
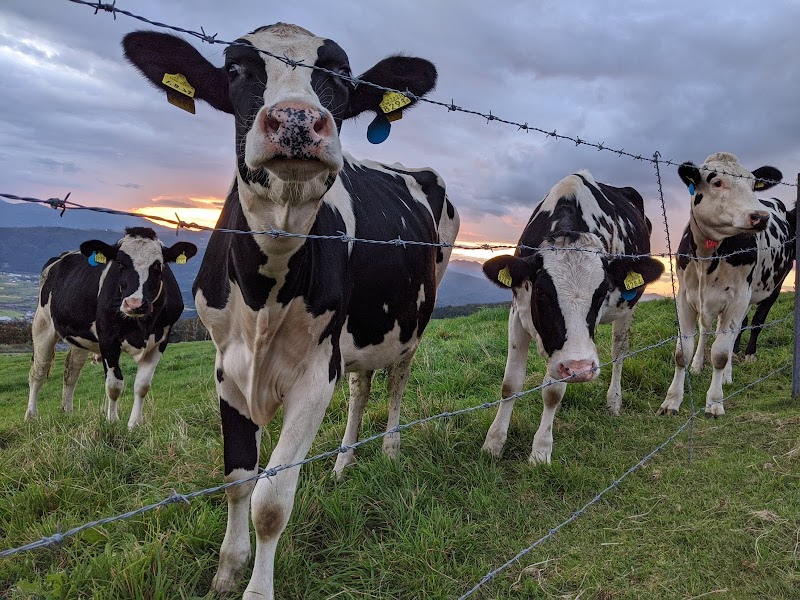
{"type": "Point", "coordinates": [504, 277]}
{"type": "Point", "coordinates": [633, 280]}
{"type": "Point", "coordinates": [379, 129]}
{"type": "Point", "coordinates": [393, 101]}
{"type": "Point", "coordinates": [181, 260]}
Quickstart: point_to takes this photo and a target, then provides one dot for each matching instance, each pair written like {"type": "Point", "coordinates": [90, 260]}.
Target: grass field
{"type": "Point", "coordinates": [433, 523]}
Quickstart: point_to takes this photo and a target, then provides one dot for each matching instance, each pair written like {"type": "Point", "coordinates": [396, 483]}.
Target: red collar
{"type": "Point", "coordinates": [711, 244]}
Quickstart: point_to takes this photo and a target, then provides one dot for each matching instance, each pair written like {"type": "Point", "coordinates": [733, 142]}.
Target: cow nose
{"type": "Point", "coordinates": [759, 219]}
{"type": "Point", "coordinates": [295, 125]}
{"type": "Point", "coordinates": [132, 303]}
{"type": "Point", "coordinates": [578, 370]}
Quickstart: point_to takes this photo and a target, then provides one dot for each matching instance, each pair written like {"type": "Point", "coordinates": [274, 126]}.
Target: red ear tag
{"type": "Point", "coordinates": [711, 244]}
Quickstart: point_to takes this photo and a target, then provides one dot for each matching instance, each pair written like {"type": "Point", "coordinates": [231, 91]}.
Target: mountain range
{"type": "Point", "coordinates": [30, 234]}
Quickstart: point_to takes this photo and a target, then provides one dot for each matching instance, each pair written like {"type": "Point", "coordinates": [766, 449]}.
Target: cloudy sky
{"type": "Point", "coordinates": [683, 77]}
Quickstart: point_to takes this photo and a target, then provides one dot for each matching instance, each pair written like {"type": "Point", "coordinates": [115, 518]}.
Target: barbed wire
{"type": "Point", "coordinates": [613, 485]}
{"type": "Point", "coordinates": [64, 205]}
{"type": "Point", "coordinates": [451, 106]}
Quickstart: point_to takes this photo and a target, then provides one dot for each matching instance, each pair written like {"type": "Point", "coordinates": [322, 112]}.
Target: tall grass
{"type": "Point", "coordinates": [433, 523]}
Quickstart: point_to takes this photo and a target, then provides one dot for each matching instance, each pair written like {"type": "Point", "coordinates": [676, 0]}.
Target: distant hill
{"type": "Point", "coordinates": [459, 288]}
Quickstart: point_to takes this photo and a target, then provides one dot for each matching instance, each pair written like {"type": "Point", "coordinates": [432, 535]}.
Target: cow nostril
{"type": "Point", "coordinates": [321, 124]}
{"type": "Point", "coordinates": [272, 124]}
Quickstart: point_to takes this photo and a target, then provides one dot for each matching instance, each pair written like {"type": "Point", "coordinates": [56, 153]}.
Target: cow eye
{"type": "Point", "coordinates": [234, 70]}
{"type": "Point", "coordinates": [717, 183]}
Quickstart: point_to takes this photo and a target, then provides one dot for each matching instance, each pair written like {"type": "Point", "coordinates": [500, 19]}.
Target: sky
{"type": "Point", "coordinates": [684, 78]}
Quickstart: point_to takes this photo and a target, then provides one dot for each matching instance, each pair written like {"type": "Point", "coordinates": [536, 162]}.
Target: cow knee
{"type": "Point", "coordinates": [269, 521]}
{"type": "Point", "coordinates": [719, 360]}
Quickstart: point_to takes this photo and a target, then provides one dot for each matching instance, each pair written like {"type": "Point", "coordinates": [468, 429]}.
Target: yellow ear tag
{"type": "Point", "coordinates": [758, 185]}
{"type": "Point", "coordinates": [100, 258]}
{"type": "Point", "coordinates": [181, 260]}
{"type": "Point", "coordinates": [393, 101]}
{"type": "Point", "coordinates": [633, 280]}
{"type": "Point", "coordinates": [504, 277]}
{"type": "Point", "coordinates": [178, 82]}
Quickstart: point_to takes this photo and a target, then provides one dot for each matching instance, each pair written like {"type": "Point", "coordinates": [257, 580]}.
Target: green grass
{"type": "Point", "coordinates": [433, 523]}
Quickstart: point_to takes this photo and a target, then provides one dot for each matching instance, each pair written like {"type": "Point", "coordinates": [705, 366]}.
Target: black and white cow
{"type": "Point", "coordinates": [742, 250]}
{"type": "Point", "coordinates": [290, 315]}
{"type": "Point", "coordinates": [123, 298]}
{"type": "Point", "coordinates": [563, 286]}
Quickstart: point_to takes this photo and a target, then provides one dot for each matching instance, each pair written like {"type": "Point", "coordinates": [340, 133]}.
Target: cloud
{"type": "Point", "coordinates": [130, 186]}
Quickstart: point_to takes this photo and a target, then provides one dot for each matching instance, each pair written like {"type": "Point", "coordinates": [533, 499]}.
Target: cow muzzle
{"type": "Point", "coordinates": [295, 130]}
{"type": "Point", "coordinates": [135, 307]}
{"type": "Point", "coordinates": [578, 371]}
{"type": "Point", "coordinates": [758, 220]}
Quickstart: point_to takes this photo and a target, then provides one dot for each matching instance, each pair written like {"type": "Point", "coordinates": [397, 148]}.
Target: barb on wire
{"type": "Point", "coordinates": [342, 237]}
{"type": "Point", "coordinates": [613, 485]}
{"type": "Point", "coordinates": [450, 106]}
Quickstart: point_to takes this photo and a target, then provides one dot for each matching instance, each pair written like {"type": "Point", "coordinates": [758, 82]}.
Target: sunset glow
{"type": "Point", "coordinates": [202, 216]}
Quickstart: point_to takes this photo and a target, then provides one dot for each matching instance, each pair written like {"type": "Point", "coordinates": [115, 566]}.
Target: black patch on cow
{"type": "Point", "coordinates": [141, 232]}
{"type": "Point", "coordinates": [546, 313]}
{"type": "Point", "coordinates": [391, 276]}
{"type": "Point", "coordinates": [598, 298]}
{"type": "Point", "coordinates": [697, 199]}
{"type": "Point", "coordinates": [238, 439]}
{"type": "Point", "coordinates": [333, 92]}
{"type": "Point", "coordinates": [742, 248]}
{"type": "Point", "coordinates": [74, 342]}
{"type": "Point", "coordinates": [451, 211]}
{"type": "Point", "coordinates": [711, 176]}
{"type": "Point", "coordinates": [220, 375]}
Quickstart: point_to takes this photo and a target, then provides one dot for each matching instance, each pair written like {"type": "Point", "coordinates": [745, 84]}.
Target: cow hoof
{"type": "Point", "coordinates": [715, 410]}
{"type": "Point", "coordinates": [31, 414]}
{"type": "Point", "coordinates": [696, 370]}
{"type": "Point", "coordinates": [391, 447]}
{"type": "Point", "coordinates": [666, 410]}
{"type": "Point", "coordinates": [223, 584]}
{"type": "Point", "coordinates": [492, 448]}
{"type": "Point", "coordinates": [749, 358]}
{"type": "Point", "coordinates": [539, 457]}
{"type": "Point", "coordinates": [613, 409]}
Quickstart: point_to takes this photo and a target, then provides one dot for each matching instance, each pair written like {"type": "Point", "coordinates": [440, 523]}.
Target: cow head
{"type": "Point", "coordinates": [287, 117]}
{"type": "Point", "coordinates": [136, 264]}
{"type": "Point", "coordinates": [561, 294]}
{"type": "Point", "coordinates": [724, 201]}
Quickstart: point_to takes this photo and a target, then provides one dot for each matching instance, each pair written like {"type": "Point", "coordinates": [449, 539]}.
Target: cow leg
{"type": "Point", "coordinates": [273, 498]}
{"type": "Point", "coordinates": [397, 379]}
{"type": "Point", "coordinates": [241, 440]}
{"type": "Point", "coordinates": [620, 330]}
{"type": "Point", "coordinates": [552, 394]}
{"type": "Point", "coordinates": [519, 342]}
{"type": "Point", "coordinates": [760, 316]}
{"type": "Point", "coordinates": [687, 320]}
{"type": "Point", "coordinates": [698, 362]}
{"type": "Point", "coordinates": [144, 376]}
{"type": "Point", "coordinates": [360, 384]}
{"type": "Point", "coordinates": [44, 350]}
{"type": "Point", "coordinates": [737, 343]}
{"type": "Point", "coordinates": [721, 355]}
{"type": "Point", "coordinates": [114, 379]}
{"type": "Point", "coordinates": [73, 364]}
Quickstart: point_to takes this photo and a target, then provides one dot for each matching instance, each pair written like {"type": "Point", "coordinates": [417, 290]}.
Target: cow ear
{"type": "Point", "coordinates": [507, 271]}
{"type": "Point", "coordinates": [766, 177]}
{"type": "Point", "coordinates": [629, 273]}
{"type": "Point", "coordinates": [402, 73]}
{"type": "Point", "coordinates": [157, 54]}
{"type": "Point", "coordinates": [99, 247]}
{"type": "Point", "coordinates": [180, 252]}
{"type": "Point", "coordinates": [689, 174]}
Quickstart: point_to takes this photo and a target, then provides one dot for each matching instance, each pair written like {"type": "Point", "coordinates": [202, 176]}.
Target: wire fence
{"type": "Point", "coordinates": [175, 497]}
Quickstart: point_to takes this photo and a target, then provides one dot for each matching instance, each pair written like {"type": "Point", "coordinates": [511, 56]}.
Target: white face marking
{"type": "Point", "coordinates": [143, 252]}
{"type": "Point", "coordinates": [727, 200]}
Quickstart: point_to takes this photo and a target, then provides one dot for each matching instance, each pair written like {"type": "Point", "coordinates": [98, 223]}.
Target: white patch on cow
{"type": "Point", "coordinates": [373, 357]}
{"type": "Point", "coordinates": [728, 199]}
{"type": "Point", "coordinates": [420, 296]}
{"type": "Point", "coordinates": [143, 252]}
{"type": "Point", "coordinates": [576, 276]}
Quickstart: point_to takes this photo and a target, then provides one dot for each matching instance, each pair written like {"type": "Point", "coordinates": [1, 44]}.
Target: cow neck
{"type": "Point", "coordinates": [705, 245]}
{"type": "Point", "coordinates": [287, 206]}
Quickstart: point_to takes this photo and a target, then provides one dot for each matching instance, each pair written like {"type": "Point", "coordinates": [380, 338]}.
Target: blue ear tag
{"type": "Point", "coordinates": [92, 260]}
{"type": "Point", "coordinates": [379, 129]}
{"type": "Point", "coordinates": [691, 189]}
{"type": "Point", "coordinates": [628, 294]}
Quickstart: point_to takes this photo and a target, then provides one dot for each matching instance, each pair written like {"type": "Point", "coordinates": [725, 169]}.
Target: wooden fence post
{"type": "Point", "coordinates": [796, 359]}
